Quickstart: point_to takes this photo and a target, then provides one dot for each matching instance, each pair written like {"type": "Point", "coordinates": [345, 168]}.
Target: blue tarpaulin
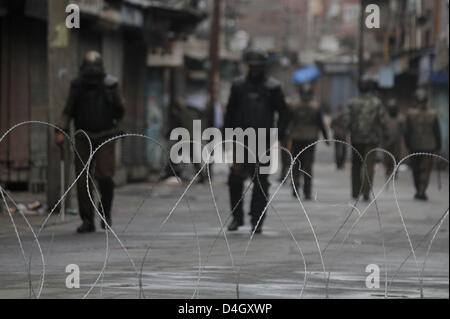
{"type": "Point", "coordinates": [386, 77]}
{"type": "Point", "coordinates": [306, 74]}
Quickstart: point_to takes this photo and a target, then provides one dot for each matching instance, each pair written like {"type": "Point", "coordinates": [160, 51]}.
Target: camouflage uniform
{"type": "Point", "coordinates": [306, 122]}
{"type": "Point", "coordinates": [96, 107]}
{"type": "Point", "coordinates": [366, 120]}
{"type": "Point", "coordinates": [340, 134]}
{"type": "Point", "coordinates": [393, 134]}
{"type": "Point", "coordinates": [422, 135]}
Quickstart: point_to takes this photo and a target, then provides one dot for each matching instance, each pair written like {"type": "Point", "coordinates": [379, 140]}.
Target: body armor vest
{"type": "Point", "coordinates": [365, 125]}
{"type": "Point", "coordinates": [93, 110]}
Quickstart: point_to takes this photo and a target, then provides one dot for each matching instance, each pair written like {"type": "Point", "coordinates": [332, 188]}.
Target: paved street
{"type": "Point", "coordinates": [273, 266]}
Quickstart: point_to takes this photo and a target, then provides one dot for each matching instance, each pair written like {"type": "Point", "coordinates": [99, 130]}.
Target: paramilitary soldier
{"type": "Point", "coordinates": [306, 122]}
{"type": "Point", "coordinates": [366, 120]}
{"type": "Point", "coordinates": [422, 135]}
{"type": "Point", "coordinates": [340, 134]}
{"type": "Point", "coordinates": [96, 107]}
{"type": "Point", "coordinates": [253, 102]}
{"type": "Point", "coordinates": [393, 134]}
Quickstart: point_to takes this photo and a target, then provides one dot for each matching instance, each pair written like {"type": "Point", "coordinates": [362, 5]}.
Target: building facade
{"type": "Point", "coordinates": [39, 56]}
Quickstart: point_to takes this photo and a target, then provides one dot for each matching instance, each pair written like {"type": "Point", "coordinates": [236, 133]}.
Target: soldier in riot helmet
{"type": "Point", "coordinates": [96, 106]}
{"type": "Point", "coordinates": [365, 121]}
{"type": "Point", "coordinates": [422, 135]}
{"type": "Point", "coordinates": [253, 102]}
{"type": "Point", "coordinates": [304, 127]}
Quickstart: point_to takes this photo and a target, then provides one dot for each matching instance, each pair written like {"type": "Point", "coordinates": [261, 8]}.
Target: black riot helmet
{"type": "Point", "coordinates": [257, 65]}
{"type": "Point", "coordinates": [255, 58]}
{"type": "Point", "coordinates": [92, 65]}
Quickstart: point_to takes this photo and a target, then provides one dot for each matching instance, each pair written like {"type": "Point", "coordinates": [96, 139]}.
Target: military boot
{"type": "Point", "coordinates": [257, 230]}
{"type": "Point", "coordinates": [108, 221]}
{"type": "Point", "coordinates": [235, 224]}
{"type": "Point", "coordinates": [422, 196]}
{"type": "Point", "coordinates": [422, 192]}
{"type": "Point", "coordinates": [86, 227]}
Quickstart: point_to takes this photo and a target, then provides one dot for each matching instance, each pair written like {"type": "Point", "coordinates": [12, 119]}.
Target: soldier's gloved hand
{"type": "Point", "coordinates": [327, 143]}
{"type": "Point", "coordinates": [60, 139]}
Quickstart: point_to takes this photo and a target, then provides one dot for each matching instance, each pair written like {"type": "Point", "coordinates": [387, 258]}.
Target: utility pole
{"type": "Point", "coordinates": [361, 41]}
{"type": "Point", "coordinates": [214, 53]}
{"type": "Point", "coordinates": [286, 51]}
{"type": "Point", "coordinates": [437, 19]}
